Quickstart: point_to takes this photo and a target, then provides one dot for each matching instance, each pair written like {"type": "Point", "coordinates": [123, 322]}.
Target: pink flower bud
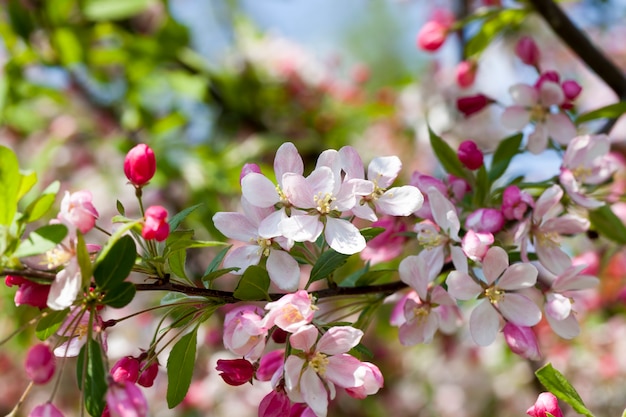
{"type": "Point", "coordinates": [432, 35]}
{"type": "Point", "coordinates": [472, 104]}
{"type": "Point", "coordinates": [571, 89]}
{"type": "Point", "coordinates": [275, 404]}
{"type": "Point", "coordinates": [126, 369]}
{"type": "Point", "coordinates": [515, 203]}
{"type": "Point", "coordinates": [269, 364]}
{"type": "Point", "coordinates": [235, 372]}
{"type": "Point", "coordinates": [45, 410]}
{"type": "Point", "coordinates": [475, 245]}
{"type": "Point", "coordinates": [77, 211]}
{"type": "Point", "coordinates": [279, 335]}
{"type": "Point", "coordinates": [470, 155]}
{"type": "Point", "coordinates": [247, 169]}
{"type": "Point", "coordinates": [522, 341]}
{"type": "Point", "coordinates": [466, 73]}
{"type": "Point", "coordinates": [526, 49]}
{"type": "Point", "coordinates": [546, 403]}
{"type": "Point", "coordinates": [29, 292]}
{"type": "Point", "coordinates": [125, 399]}
{"type": "Point", "coordinates": [155, 225]}
{"type": "Point", "coordinates": [551, 76]}
{"type": "Point", "coordinates": [147, 377]}
{"type": "Point", "coordinates": [140, 164]}
{"type": "Point", "coordinates": [40, 363]}
{"type": "Point", "coordinates": [485, 220]}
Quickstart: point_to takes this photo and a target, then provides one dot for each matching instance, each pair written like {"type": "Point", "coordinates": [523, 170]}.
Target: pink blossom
{"type": "Point", "coordinates": [125, 399]}
{"type": "Point", "coordinates": [424, 182]}
{"type": "Point", "coordinates": [522, 341]}
{"type": "Point", "coordinates": [40, 363]}
{"type": "Point", "coordinates": [499, 295]}
{"type": "Point", "coordinates": [45, 410]}
{"type": "Point", "coordinates": [469, 155]}
{"type": "Point", "coordinates": [75, 327]}
{"type": "Point", "coordinates": [125, 369]}
{"type": "Point", "coordinates": [244, 332]}
{"type": "Point", "coordinates": [77, 211]}
{"type": "Point", "coordinates": [466, 73]}
{"type": "Point", "coordinates": [475, 245]}
{"type": "Point", "coordinates": [247, 169]}
{"type": "Point", "coordinates": [387, 245]}
{"type": "Point", "coordinates": [515, 203]}
{"type": "Point", "coordinates": [534, 104]}
{"type": "Point", "coordinates": [546, 403]}
{"type": "Point", "coordinates": [485, 220]}
{"type": "Point", "coordinates": [275, 404]}
{"type": "Point", "coordinates": [66, 286]}
{"type": "Point", "coordinates": [469, 105]}
{"type": "Point", "coordinates": [313, 379]}
{"type": "Point", "coordinates": [526, 49]}
{"type": "Point", "coordinates": [140, 164]}
{"type": "Point", "coordinates": [290, 312]}
{"type": "Point", "coordinates": [29, 292]}
{"type": "Point", "coordinates": [155, 225]}
{"type": "Point", "coordinates": [235, 372]}
{"type": "Point", "coordinates": [571, 89]}
{"type": "Point", "coordinates": [270, 364]}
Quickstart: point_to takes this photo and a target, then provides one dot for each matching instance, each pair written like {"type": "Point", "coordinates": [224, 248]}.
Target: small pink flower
{"type": "Point", "coordinates": [526, 49]}
{"type": "Point", "coordinates": [470, 155]}
{"type": "Point", "coordinates": [485, 220]}
{"type": "Point", "coordinates": [469, 105]}
{"type": "Point", "coordinates": [245, 332]}
{"type": "Point", "coordinates": [515, 203]}
{"type": "Point", "coordinates": [29, 292]}
{"type": "Point", "coordinates": [126, 369]}
{"type": "Point", "coordinates": [77, 211]}
{"type": "Point", "coordinates": [125, 399]}
{"type": "Point", "coordinates": [546, 403]}
{"type": "Point", "coordinates": [140, 165]}
{"type": "Point", "coordinates": [155, 225]}
{"type": "Point", "coordinates": [40, 363]}
{"type": "Point", "coordinates": [235, 372]}
{"type": "Point", "coordinates": [466, 73]}
{"type": "Point", "coordinates": [389, 244]}
{"type": "Point", "coordinates": [522, 341]}
{"type": "Point", "coordinates": [45, 410]}
{"type": "Point", "coordinates": [290, 312]}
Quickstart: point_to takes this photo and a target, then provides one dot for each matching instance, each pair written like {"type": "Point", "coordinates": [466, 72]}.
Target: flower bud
{"type": "Point", "coordinates": [515, 203]}
{"type": "Point", "coordinates": [551, 76]}
{"type": "Point", "coordinates": [432, 35]}
{"type": "Point", "coordinates": [522, 341]}
{"type": "Point", "coordinates": [29, 292]}
{"type": "Point", "coordinates": [77, 211]}
{"type": "Point", "coordinates": [147, 377]}
{"type": "Point", "coordinates": [269, 364]}
{"type": "Point", "coordinates": [40, 364]}
{"type": "Point", "coordinates": [470, 155]}
{"type": "Point", "coordinates": [126, 369]}
{"type": "Point", "coordinates": [125, 399]}
{"type": "Point", "coordinates": [472, 104]}
{"type": "Point", "coordinates": [155, 225]}
{"type": "Point", "coordinates": [140, 164]}
{"type": "Point", "coordinates": [45, 410]}
{"type": "Point", "coordinates": [546, 403]}
{"type": "Point", "coordinates": [235, 371]}
{"type": "Point", "coordinates": [571, 89]}
{"type": "Point", "coordinates": [466, 73]}
{"type": "Point", "coordinates": [275, 404]}
{"type": "Point", "coordinates": [485, 220]}
{"type": "Point", "coordinates": [526, 49]}
{"type": "Point", "coordinates": [475, 245]}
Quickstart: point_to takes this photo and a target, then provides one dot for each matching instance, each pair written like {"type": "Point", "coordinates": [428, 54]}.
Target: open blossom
{"type": "Point", "coordinates": [282, 268]}
{"type": "Point", "coordinates": [76, 329]}
{"type": "Point", "coordinates": [381, 172]}
{"type": "Point", "coordinates": [586, 162]}
{"type": "Point", "coordinates": [500, 298]}
{"type": "Point", "coordinates": [245, 332]}
{"type": "Point", "coordinates": [421, 319]}
{"type": "Point", "coordinates": [140, 164]}
{"type": "Point", "coordinates": [290, 312]}
{"type": "Point", "coordinates": [312, 377]}
{"type": "Point", "coordinates": [77, 211]}
{"type": "Point", "coordinates": [66, 286]}
{"type": "Point", "coordinates": [155, 226]}
{"type": "Point", "coordinates": [535, 104]}
{"type": "Point", "coordinates": [546, 403]}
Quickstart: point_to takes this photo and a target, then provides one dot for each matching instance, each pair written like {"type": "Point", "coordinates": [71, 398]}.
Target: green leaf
{"type": "Point", "coordinates": [95, 385]}
{"type": "Point", "coordinates": [253, 285]}
{"type": "Point", "coordinates": [607, 224]}
{"type": "Point", "coordinates": [447, 156]}
{"type": "Point", "coordinates": [503, 155]}
{"type": "Point", "coordinates": [326, 264]}
{"type": "Point", "coordinates": [113, 9]}
{"type": "Point", "coordinates": [27, 180]}
{"type": "Point", "coordinates": [180, 365]}
{"type": "Point", "coordinates": [370, 233]}
{"type": "Point", "coordinates": [612, 111]}
{"type": "Point", "coordinates": [177, 219]}
{"type": "Point", "coordinates": [556, 383]}
{"type": "Point", "coordinates": [38, 208]}
{"type": "Point", "coordinates": [84, 260]}
{"type": "Point", "coordinates": [50, 323]}
{"type": "Point", "coordinates": [9, 185]}
{"type": "Point", "coordinates": [120, 208]}
{"type": "Point", "coordinates": [215, 262]}
{"type": "Point", "coordinates": [176, 262]}
{"type": "Point", "coordinates": [212, 276]}
{"type": "Point", "coordinates": [41, 240]}
{"type": "Point", "coordinates": [115, 265]}
{"type": "Point", "coordinates": [68, 46]}
{"type": "Point", "coordinates": [482, 187]}
{"type": "Point", "coordinates": [120, 296]}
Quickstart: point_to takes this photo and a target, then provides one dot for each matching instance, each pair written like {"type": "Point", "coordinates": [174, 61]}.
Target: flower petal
{"type": "Point", "coordinates": [343, 236]}
{"type": "Point", "coordinates": [495, 263]}
{"type": "Point", "coordinates": [519, 309]}
{"type": "Point", "coordinates": [259, 190]}
{"type": "Point", "coordinates": [515, 117]}
{"type": "Point", "coordinates": [283, 270]}
{"type": "Point", "coordinates": [339, 339]}
{"type": "Point", "coordinates": [400, 201]}
{"type": "Point", "coordinates": [484, 324]}
{"type": "Point", "coordinates": [461, 286]}
{"type": "Point", "coordinates": [517, 276]}
{"type": "Point", "coordinates": [383, 170]}
{"type": "Point", "coordinates": [314, 392]}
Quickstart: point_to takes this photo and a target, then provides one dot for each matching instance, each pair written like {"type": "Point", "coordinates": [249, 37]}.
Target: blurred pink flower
{"type": "Point", "coordinates": [546, 403]}
{"type": "Point", "coordinates": [40, 363]}
{"type": "Point", "coordinates": [470, 155]}
{"type": "Point", "coordinates": [156, 226]}
{"type": "Point", "coordinates": [526, 49]}
{"type": "Point", "coordinates": [77, 211]}
{"type": "Point", "coordinates": [45, 410]}
{"type": "Point", "coordinates": [29, 292]}
{"type": "Point", "coordinates": [125, 399]}
{"type": "Point", "coordinates": [522, 341]}
{"type": "Point", "coordinates": [387, 245]}
{"type": "Point", "coordinates": [244, 332]}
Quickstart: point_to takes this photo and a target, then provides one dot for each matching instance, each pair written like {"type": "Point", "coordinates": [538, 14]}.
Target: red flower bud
{"type": "Point", "coordinates": [432, 35]}
{"type": "Point", "coordinates": [29, 292]}
{"type": "Point", "coordinates": [40, 364]}
{"type": "Point", "coordinates": [571, 89]}
{"type": "Point", "coordinates": [466, 73]}
{"type": "Point", "coordinates": [126, 369]}
{"type": "Point", "coordinates": [470, 155]}
{"type": "Point", "coordinates": [140, 164]}
{"type": "Point", "coordinates": [472, 104]}
{"type": "Point", "coordinates": [526, 49]}
{"type": "Point", "coordinates": [147, 377]}
{"type": "Point", "coordinates": [235, 371]}
{"type": "Point", "coordinates": [155, 225]}
{"type": "Point", "coordinates": [275, 404]}
{"type": "Point", "coordinates": [546, 403]}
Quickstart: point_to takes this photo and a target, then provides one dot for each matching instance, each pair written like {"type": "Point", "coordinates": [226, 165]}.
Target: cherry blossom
{"type": "Point", "coordinates": [76, 329]}
{"type": "Point", "coordinates": [290, 312]}
{"type": "Point", "coordinates": [245, 332]}
{"type": "Point", "coordinates": [77, 211]}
